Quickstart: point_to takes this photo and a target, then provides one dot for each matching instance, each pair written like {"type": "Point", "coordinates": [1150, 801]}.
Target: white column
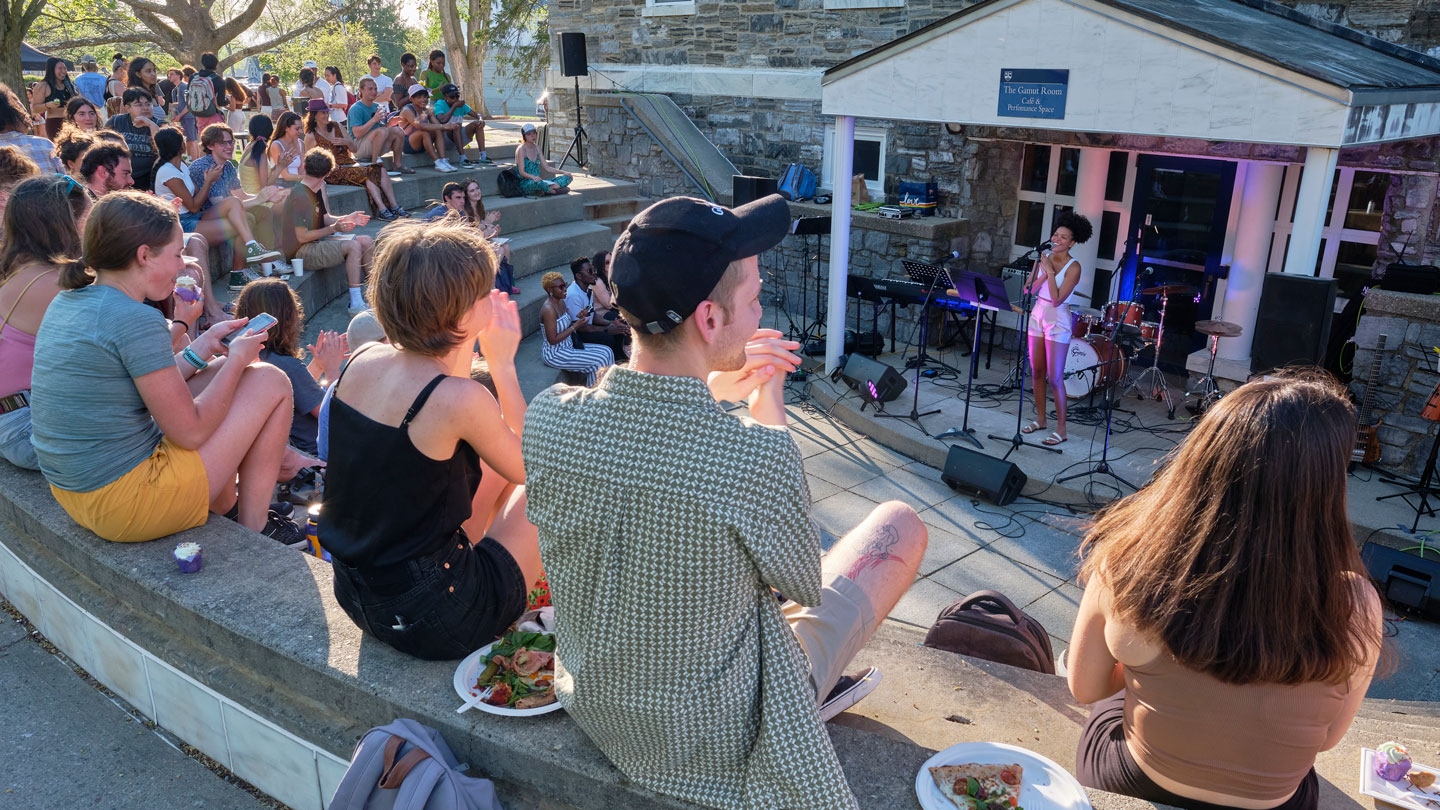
{"type": "Point", "coordinates": [842, 168]}
{"type": "Point", "coordinates": [1090, 201]}
{"type": "Point", "coordinates": [1310, 205]}
{"type": "Point", "coordinates": [1258, 198]}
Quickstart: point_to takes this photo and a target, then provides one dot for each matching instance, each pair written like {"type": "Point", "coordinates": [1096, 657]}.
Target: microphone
{"type": "Point", "coordinates": [1046, 246]}
{"type": "Point", "coordinates": [948, 257]}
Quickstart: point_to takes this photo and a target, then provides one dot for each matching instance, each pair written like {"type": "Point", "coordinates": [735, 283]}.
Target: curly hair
{"type": "Point", "coordinates": [275, 296]}
{"type": "Point", "coordinates": [15, 166]}
{"type": "Point", "coordinates": [1078, 225]}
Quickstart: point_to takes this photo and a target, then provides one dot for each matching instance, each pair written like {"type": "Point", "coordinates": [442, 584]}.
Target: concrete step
{"type": "Point", "coordinates": [604, 209]}
{"type": "Point", "coordinates": [617, 224]}
{"type": "Point", "coordinates": [531, 297]}
{"type": "Point", "coordinates": [553, 246]}
{"type": "Point", "coordinates": [595, 189]}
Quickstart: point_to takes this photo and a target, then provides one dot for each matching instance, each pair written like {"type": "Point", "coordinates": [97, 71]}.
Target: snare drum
{"type": "Point", "coordinates": [1085, 324]}
{"type": "Point", "coordinates": [1150, 330]}
{"type": "Point", "coordinates": [1092, 364]}
{"type": "Point", "coordinates": [1130, 313]}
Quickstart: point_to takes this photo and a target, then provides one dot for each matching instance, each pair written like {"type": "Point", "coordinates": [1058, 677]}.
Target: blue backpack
{"type": "Point", "coordinates": [797, 183]}
{"type": "Point", "coordinates": [408, 766]}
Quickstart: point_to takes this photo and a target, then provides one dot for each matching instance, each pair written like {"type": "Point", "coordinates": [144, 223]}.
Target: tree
{"type": "Point", "coordinates": [346, 47]}
{"type": "Point", "coordinates": [470, 32]}
{"type": "Point", "coordinates": [19, 16]}
{"type": "Point", "coordinates": [184, 29]}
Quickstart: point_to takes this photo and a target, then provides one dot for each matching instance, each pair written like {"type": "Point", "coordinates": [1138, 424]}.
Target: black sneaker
{"type": "Point", "coordinates": [283, 530]}
{"type": "Point", "coordinates": [848, 691]}
{"type": "Point", "coordinates": [283, 508]}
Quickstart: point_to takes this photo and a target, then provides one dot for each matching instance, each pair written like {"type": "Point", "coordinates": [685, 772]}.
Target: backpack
{"type": "Point", "coordinates": [797, 183]}
{"type": "Point", "coordinates": [509, 183]}
{"type": "Point", "coordinates": [200, 97]}
{"type": "Point", "coordinates": [408, 766]}
{"type": "Point", "coordinates": [987, 625]}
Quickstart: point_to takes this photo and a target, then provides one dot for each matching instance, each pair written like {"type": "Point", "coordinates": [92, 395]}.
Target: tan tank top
{"type": "Point", "coordinates": [1255, 741]}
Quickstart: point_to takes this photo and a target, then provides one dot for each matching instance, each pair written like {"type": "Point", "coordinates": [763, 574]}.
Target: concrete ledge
{"type": "Point", "coordinates": [251, 661]}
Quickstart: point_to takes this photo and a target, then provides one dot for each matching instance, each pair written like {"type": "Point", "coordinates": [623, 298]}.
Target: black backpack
{"type": "Point", "coordinates": [509, 183]}
{"type": "Point", "coordinates": [987, 625]}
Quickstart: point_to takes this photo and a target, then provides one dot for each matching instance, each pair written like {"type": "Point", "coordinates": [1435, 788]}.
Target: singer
{"type": "Point", "coordinates": [1051, 282]}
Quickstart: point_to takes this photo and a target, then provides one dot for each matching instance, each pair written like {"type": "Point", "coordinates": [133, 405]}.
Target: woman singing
{"type": "Point", "coordinates": [1054, 278]}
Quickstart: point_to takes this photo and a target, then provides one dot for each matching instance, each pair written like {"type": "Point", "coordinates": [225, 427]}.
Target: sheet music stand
{"type": "Point", "coordinates": [983, 292]}
{"type": "Point", "coordinates": [817, 227]}
{"type": "Point", "coordinates": [933, 278]}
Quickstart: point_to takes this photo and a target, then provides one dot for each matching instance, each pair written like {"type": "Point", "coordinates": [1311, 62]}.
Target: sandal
{"type": "Point", "coordinates": [1032, 427]}
{"type": "Point", "coordinates": [405, 170]}
{"type": "Point", "coordinates": [1053, 440]}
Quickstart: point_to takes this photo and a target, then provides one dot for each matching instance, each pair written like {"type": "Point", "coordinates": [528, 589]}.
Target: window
{"type": "Point", "coordinates": [667, 8]}
{"type": "Point", "coordinates": [869, 159]}
{"type": "Point", "coordinates": [1351, 234]}
{"type": "Point", "coordinates": [1048, 178]}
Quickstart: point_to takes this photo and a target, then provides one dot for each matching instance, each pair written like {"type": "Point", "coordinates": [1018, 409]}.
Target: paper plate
{"type": "Point", "coordinates": [465, 675]}
{"type": "Point", "coordinates": [1401, 793]}
{"type": "Point", "coordinates": [1044, 786]}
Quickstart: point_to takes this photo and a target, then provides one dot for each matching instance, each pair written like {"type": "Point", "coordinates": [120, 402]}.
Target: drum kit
{"type": "Point", "coordinates": [1095, 362]}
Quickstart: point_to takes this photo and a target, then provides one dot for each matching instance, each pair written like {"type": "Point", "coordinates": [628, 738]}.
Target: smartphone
{"type": "Point", "coordinates": [257, 324]}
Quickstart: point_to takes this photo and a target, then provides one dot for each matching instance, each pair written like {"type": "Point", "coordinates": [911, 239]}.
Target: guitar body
{"type": "Point", "coordinates": [1367, 438]}
{"type": "Point", "coordinates": [1367, 446]}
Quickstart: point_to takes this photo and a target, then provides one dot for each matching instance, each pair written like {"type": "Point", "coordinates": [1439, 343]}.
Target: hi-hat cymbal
{"type": "Point", "coordinates": [1168, 289]}
{"type": "Point", "coordinates": [1218, 328]}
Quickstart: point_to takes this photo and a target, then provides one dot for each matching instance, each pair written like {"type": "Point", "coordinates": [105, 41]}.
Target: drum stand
{"type": "Point", "coordinates": [1102, 467]}
{"type": "Point", "coordinates": [1021, 356]}
{"type": "Point", "coordinates": [1159, 387]}
{"type": "Point", "coordinates": [1207, 390]}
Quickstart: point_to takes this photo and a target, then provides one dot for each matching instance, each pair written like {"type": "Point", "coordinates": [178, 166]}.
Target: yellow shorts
{"type": "Point", "coordinates": [166, 493]}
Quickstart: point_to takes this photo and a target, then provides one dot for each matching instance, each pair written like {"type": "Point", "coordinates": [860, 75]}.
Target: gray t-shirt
{"type": "Point", "coordinates": [304, 427]}
{"type": "Point", "coordinates": [90, 425]}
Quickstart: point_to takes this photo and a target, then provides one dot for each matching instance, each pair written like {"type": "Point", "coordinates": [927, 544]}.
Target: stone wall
{"type": "Point", "coordinates": [1407, 376]}
{"type": "Point", "coordinates": [1412, 23]}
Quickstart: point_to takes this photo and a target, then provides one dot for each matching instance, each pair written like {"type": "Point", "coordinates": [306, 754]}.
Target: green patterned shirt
{"type": "Point", "coordinates": [673, 654]}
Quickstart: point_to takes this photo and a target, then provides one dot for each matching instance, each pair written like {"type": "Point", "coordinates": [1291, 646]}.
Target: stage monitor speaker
{"type": "Point", "coordinates": [746, 189]}
{"type": "Point", "coordinates": [996, 479]}
{"type": "Point", "coordinates": [860, 370]}
{"type": "Point", "coordinates": [1293, 326]}
{"type": "Point", "coordinates": [572, 55]}
{"type": "Point", "coordinates": [1405, 579]}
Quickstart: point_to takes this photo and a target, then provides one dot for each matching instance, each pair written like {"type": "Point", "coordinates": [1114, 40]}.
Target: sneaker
{"type": "Point", "coordinates": [400, 211]}
{"type": "Point", "coordinates": [386, 216]}
{"type": "Point", "coordinates": [465, 162]}
{"type": "Point", "coordinates": [485, 161]}
{"type": "Point", "coordinates": [283, 530]}
{"type": "Point", "coordinates": [283, 508]}
{"type": "Point", "coordinates": [848, 691]}
{"type": "Point", "coordinates": [238, 280]}
{"type": "Point", "coordinates": [357, 310]}
{"type": "Point", "coordinates": [256, 253]}
{"type": "Point", "coordinates": [443, 165]}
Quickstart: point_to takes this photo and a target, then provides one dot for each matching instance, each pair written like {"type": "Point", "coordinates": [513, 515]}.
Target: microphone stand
{"type": "Point", "coordinates": [1022, 355]}
{"type": "Point", "coordinates": [1102, 467]}
{"type": "Point", "coordinates": [982, 301]}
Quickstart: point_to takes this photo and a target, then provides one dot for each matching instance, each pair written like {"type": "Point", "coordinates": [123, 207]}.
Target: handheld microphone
{"type": "Point", "coordinates": [948, 257]}
{"type": "Point", "coordinates": [1046, 246]}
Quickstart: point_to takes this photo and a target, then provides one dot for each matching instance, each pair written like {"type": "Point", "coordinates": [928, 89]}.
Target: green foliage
{"type": "Point", "coordinates": [345, 46]}
{"type": "Point", "coordinates": [519, 37]}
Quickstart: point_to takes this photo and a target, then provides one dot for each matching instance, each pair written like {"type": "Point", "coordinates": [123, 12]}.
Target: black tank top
{"type": "Point", "coordinates": [385, 501]}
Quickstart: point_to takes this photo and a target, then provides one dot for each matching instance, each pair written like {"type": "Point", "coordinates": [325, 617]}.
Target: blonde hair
{"type": "Point", "coordinates": [550, 278]}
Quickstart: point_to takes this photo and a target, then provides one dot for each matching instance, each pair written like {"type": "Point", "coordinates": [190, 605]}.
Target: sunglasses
{"type": "Point", "coordinates": [72, 183]}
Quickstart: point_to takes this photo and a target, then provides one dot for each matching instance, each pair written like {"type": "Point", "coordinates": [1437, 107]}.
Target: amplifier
{"type": "Point", "coordinates": [1411, 278]}
{"type": "Point", "coordinates": [860, 371]}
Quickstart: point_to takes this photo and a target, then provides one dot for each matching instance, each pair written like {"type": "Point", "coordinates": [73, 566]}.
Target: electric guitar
{"type": "Point", "coordinates": [1367, 445]}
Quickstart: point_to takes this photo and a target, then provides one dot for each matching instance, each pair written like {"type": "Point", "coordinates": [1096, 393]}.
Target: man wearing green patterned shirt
{"type": "Point", "coordinates": [674, 654]}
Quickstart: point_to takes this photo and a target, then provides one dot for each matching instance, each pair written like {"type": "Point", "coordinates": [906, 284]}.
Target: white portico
{"type": "Point", "coordinates": [1202, 71]}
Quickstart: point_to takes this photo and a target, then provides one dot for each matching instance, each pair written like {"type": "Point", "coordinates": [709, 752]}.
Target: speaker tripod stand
{"type": "Point", "coordinates": [577, 146]}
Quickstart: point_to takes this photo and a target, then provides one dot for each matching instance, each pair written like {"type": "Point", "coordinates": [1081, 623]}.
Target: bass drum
{"type": "Point", "coordinates": [1092, 364]}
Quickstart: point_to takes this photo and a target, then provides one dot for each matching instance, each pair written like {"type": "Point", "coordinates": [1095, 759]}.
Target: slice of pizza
{"type": "Point", "coordinates": [972, 786]}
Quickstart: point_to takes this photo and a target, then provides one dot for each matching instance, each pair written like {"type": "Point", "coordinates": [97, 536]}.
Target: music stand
{"type": "Point", "coordinates": [863, 289]}
{"type": "Point", "coordinates": [817, 227]}
{"type": "Point", "coordinates": [928, 275]}
{"type": "Point", "coordinates": [931, 277]}
{"type": "Point", "coordinates": [983, 292]}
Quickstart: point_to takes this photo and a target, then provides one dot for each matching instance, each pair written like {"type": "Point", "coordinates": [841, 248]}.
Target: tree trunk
{"type": "Point", "coordinates": [10, 72]}
{"type": "Point", "coordinates": [467, 43]}
{"type": "Point", "coordinates": [19, 15]}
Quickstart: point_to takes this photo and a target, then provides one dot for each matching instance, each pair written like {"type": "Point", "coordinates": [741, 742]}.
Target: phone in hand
{"type": "Point", "coordinates": [257, 324]}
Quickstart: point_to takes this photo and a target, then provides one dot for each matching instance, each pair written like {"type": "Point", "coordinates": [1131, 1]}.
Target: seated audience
{"type": "Point", "coordinates": [141, 75]}
{"type": "Point", "coordinates": [309, 232]}
{"type": "Point", "coordinates": [214, 113]}
{"type": "Point", "coordinates": [15, 168]}
{"type": "Point", "coordinates": [15, 131]}
{"type": "Point", "coordinates": [70, 147]}
{"type": "Point", "coordinates": [82, 114]}
{"type": "Point", "coordinates": [403, 81]}
{"type": "Point", "coordinates": [370, 127]}
{"type": "Point", "coordinates": [255, 172]}
{"type": "Point", "coordinates": [338, 96]}
{"type": "Point", "coordinates": [560, 349]}
{"type": "Point", "coordinates": [282, 350]}
{"type": "Point", "coordinates": [138, 442]}
{"type": "Point", "coordinates": [325, 134]}
{"type": "Point", "coordinates": [594, 327]}
{"type": "Point", "coordinates": [1228, 630]}
{"type": "Point", "coordinates": [180, 111]}
{"type": "Point", "coordinates": [91, 82]}
{"type": "Point", "coordinates": [717, 507]}
{"type": "Point", "coordinates": [287, 149]}
{"type": "Point", "coordinates": [421, 132]}
{"type": "Point", "coordinates": [138, 125]}
{"type": "Point", "coordinates": [529, 162]}
{"type": "Point", "coordinates": [226, 223]}
{"type": "Point", "coordinates": [424, 501]}
{"type": "Point", "coordinates": [39, 241]}
{"type": "Point", "coordinates": [219, 144]}
{"type": "Point", "coordinates": [105, 167]}
{"type": "Point", "coordinates": [489, 225]}
{"type": "Point", "coordinates": [50, 95]}
{"type": "Point", "coordinates": [450, 108]}
{"type": "Point", "coordinates": [434, 76]}
{"type": "Point", "coordinates": [603, 290]}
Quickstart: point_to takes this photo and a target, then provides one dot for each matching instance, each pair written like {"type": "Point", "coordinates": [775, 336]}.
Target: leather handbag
{"type": "Point", "coordinates": [987, 625]}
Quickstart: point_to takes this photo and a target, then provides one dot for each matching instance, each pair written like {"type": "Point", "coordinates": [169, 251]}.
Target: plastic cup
{"type": "Point", "coordinates": [297, 267]}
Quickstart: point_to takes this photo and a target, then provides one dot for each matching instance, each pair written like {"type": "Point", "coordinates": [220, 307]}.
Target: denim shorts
{"type": "Point", "coordinates": [189, 220]}
{"type": "Point", "coordinates": [15, 446]}
{"type": "Point", "coordinates": [439, 607]}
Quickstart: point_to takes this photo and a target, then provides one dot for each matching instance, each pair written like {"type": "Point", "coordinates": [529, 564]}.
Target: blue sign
{"type": "Point", "coordinates": [1031, 93]}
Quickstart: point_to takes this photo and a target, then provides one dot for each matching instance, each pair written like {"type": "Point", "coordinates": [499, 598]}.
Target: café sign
{"type": "Point", "coordinates": [1033, 93]}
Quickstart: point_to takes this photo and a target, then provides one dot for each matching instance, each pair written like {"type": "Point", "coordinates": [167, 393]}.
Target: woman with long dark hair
{"type": "Point", "coordinates": [1051, 283]}
{"type": "Point", "coordinates": [286, 149]}
{"type": "Point", "coordinates": [1228, 630]}
{"type": "Point", "coordinates": [141, 73]}
{"type": "Point", "coordinates": [325, 134]}
{"type": "Point", "coordinates": [39, 240]}
{"type": "Point", "coordinates": [138, 441]}
{"type": "Point", "coordinates": [50, 95]}
{"type": "Point", "coordinates": [81, 114]}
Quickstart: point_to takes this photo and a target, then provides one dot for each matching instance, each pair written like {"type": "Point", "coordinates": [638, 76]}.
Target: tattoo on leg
{"type": "Point", "coordinates": [876, 551]}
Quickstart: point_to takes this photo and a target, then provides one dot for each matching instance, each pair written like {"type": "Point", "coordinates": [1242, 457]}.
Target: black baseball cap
{"type": "Point", "coordinates": [447, 90]}
{"type": "Point", "coordinates": [673, 254]}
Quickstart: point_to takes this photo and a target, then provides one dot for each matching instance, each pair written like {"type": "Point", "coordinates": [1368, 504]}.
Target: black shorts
{"type": "Point", "coordinates": [438, 607]}
{"type": "Point", "coordinates": [1103, 761]}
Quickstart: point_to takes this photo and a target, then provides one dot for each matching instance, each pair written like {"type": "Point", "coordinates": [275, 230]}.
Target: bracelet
{"type": "Point", "coordinates": [174, 321]}
{"type": "Point", "coordinates": [194, 359]}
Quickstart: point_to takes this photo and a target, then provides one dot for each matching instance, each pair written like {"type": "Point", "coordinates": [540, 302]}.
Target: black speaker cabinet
{"type": "Point", "coordinates": [746, 189]}
{"type": "Point", "coordinates": [860, 370]}
{"type": "Point", "coordinates": [996, 479]}
{"type": "Point", "coordinates": [572, 55]}
{"type": "Point", "coordinates": [1293, 326]}
{"type": "Point", "coordinates": [1405, 580]}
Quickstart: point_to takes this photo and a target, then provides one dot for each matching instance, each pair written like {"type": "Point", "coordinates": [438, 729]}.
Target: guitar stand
{"type": "Point", "coordinates": [1424, 489]}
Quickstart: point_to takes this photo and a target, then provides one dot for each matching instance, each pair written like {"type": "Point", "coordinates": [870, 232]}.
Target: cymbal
{"type": "Point", "coordinates": [1168, 289]}
{"type": "Point", "coordinates": [1218, 328]}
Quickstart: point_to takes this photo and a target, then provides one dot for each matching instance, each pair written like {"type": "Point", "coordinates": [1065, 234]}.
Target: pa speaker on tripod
{"type": "Point", "coordinates": [858, 370]}
{"type": "Point", "coordinates": [572, 55]}
{"type": "Point", "coordinates": [997, 479]}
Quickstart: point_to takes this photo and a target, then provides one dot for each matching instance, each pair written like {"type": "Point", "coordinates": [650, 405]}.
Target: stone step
{"type": "Point", "coordinates": [604, 209]}
{"type": "Point", "coordinates": [617, 224]}
{"type": "Point", "coordinates": [553, 246]}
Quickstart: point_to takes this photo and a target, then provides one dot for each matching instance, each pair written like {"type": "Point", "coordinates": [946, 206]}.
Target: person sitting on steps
{"type": "Point", "coordinates": [308, 231]}
{"type": "Point", "coordinates": [529, 162]}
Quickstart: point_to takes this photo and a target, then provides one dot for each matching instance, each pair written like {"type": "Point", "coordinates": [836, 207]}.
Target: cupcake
{"type": "Point", "coordinates": [187, 556]}
{"type": "Point", "coordinates": [186, 288]}
{"type": "Point", "coordinates": [1392, 761]}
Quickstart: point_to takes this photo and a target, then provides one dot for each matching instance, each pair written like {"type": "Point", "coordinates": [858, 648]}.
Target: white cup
{"type": "Point", "coordinates": [297, 266]}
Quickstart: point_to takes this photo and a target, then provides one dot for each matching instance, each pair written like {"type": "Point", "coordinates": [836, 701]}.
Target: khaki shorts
{"type": "Point", "coordinates": [327, 252]}
{"type": "Point", "coordinates": [833, 632]}
{"type": "Point", "coordinates": [166, 493]}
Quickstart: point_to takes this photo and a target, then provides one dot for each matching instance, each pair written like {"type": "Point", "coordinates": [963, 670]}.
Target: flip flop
{"type": "Point", "coordinates": [1032, 427]}
{"type": "Point", "coordinates": [406, 170]}
{"type": "Point", "coordinates": [1053, 440]}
